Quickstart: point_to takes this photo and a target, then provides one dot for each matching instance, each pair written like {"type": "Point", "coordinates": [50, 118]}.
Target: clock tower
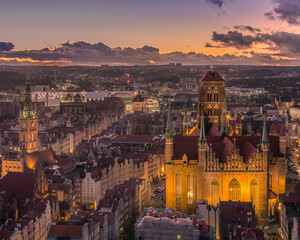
{"type": "Point", "coordinates": [28, 124]}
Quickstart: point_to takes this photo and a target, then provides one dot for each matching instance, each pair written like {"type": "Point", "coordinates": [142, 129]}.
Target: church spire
{"type": "Point", "coordinates": [202, 139]}
{"type": "Point", "coordinates": [264, 138]}
{"type": "Point", "coordinates": [169, 131]}
{"type": "Point", "coordinates": [27, 111]}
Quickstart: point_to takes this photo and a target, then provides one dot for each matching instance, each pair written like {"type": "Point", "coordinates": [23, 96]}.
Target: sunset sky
{"type": "Point", "coordinates": [114, 32]}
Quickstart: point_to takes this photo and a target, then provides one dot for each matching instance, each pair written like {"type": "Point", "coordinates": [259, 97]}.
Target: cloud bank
{"type": "Point", "coordinates": [251, 47]}
{"type": "Point", "coordinates": [84, 53]}
{"type": "Point", "coordinates": [286, 43]}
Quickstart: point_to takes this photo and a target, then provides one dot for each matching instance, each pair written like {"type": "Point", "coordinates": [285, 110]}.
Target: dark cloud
{"type": "Point", "coordinates": [218, 3]}
{"type": "Point", "coordinates": [209, 45]}
{"type": "Point", "coordinates": [235, 39]}
{"type": "Point", "coordinates": [247, 28]}
{"type": "Point", "coordinates": [6, 46]}
{"type": "Point", "coordinates": [286, 43]}
{"type": "Point", "coordinates": [79, 53]}
{"type": "Point", "coordinates": [285, 10]}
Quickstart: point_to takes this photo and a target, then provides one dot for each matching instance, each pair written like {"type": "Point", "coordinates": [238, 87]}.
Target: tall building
{"type": "Point", "coordinates": [209, 164]}
{"type": "Point", "coordinates": [211, 96]}
{"type": "Point", "coordinates": [28, 124]}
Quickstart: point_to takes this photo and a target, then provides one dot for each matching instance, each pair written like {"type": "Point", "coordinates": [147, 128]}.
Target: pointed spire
{"type": "Point", "coordinates": [27, 111]}
{"type": "Point", "coordinates": [169, 131]}
{"type": "Point", "coordinates": [202, 139]}
{"type": "Point", "coordinates": [264, 138]}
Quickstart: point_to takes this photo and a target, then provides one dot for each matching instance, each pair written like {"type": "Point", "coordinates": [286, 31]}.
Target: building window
{"type": "Point", "coordinates": [216, 97]}
{"type": "Point", "coordinates": [254, 193]}
{"type": "Point", "coordinates": [216, 111]}
{"type": "Point", "coordinates": [178, 189]}
{"type": "Point", "coordinates": [214, 192]}
{"type": "Point", "coordinates": [234, 190]}
{"type": "Point", "coordinates": [209, 96]}
{"type": "Point", "coordinates": [191, 188]}
{"type": "Point", "coordinates": [209, 111]}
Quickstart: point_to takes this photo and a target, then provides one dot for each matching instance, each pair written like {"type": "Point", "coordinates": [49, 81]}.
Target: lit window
{"type": "Point", "coordinates": [178, 236]}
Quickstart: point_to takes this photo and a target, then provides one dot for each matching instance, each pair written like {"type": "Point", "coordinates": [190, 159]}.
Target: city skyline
{"type": "Point", "coordinates": [143, 32]}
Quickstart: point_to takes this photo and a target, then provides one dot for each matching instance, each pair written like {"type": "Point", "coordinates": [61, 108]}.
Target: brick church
{"type": "Point", "coordinates": [214, 161]}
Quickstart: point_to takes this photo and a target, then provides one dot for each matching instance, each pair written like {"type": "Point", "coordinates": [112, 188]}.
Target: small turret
{"type": "Point", "coordinates": [169, 136]}
{"type": "Point", "coordinates": [265, 146]}
{"type": "Point", "coordinates": [202, 144]}
{"type": "Point", "coordinates": [202, 139]}
{"type": "Point", "coordinates": [264, 139]}
{"type": "Point", "coordinates": [169, 130]}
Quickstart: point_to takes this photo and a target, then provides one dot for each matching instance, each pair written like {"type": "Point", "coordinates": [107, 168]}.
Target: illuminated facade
{"type": "Point", "coordinates": [12, 164]}
{"type": "Point", "coordinates": [217, 167]}
{"type": "Point", "coordinates": [28, 124]}
{"type": "Point", "coordinates": [138, 103]}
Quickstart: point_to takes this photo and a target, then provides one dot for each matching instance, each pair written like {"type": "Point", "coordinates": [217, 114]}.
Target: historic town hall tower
{"type": "Point", "coordinates": [28, 124]}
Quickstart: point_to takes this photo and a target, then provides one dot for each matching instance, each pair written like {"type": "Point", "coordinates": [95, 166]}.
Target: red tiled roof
{"type": "Point", "coordinates": [212, 76]}
{"type": "Point", "coordinates": [248, 234]}
{"type": "Point", "coordinates": [20, 183]}
{"type": "Point", "coordinates": [45, 157]}
{"type": "Point", "coordinates": [213, 131]}
{"type": "Point", "coordinates": [65, 231]}
{"type": "Point", "coordinates": [221, 146]}
{"type": "Point", "coordinates": [195, 132]}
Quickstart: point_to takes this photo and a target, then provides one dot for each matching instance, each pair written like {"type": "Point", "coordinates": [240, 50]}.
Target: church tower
{"type": "Point", "coordinates": [211, 96]}
{"type": "Point", "coordinates": [28, 124]}
{"type": "Point", "coordinates": [169, 136]}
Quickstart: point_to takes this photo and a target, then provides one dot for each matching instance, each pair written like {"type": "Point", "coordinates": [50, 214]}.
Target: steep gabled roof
{"type": "Point", "coordinates": [212, 76]}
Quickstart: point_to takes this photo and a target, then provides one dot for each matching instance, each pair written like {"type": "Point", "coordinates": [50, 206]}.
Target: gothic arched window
{"type": "Point", "coordinates": [254, 192]}
{"type": "Point", "coordinates": [191, 188]}
{"type": "Point", "coordinates": [234, 190]}
{"type": "Point", "coordinates": [214, 192]}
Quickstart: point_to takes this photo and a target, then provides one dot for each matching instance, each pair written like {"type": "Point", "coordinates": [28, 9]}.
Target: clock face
{"type": "Point", "coordinates": [23, 126]}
